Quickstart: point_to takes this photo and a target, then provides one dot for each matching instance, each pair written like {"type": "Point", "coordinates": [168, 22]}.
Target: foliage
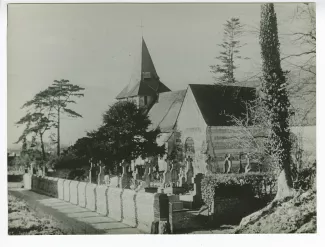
{"type": "Point", "coordinates": [67, 161]}
{"type": "Point", "coordinates": [233, 30]}
{"type": "Point", "coordinates": [62, 93]}
{"type": "Point", "coordinates": [275, 96]}
{"type": "Point", "coordinates": [37, 120]}
{"type": "Point", "coordinates": [43, 111]}
{"type": "Point", "coordinates": [27, 157]}
{"type": "Point", "coordinates": [123, 136]}
{"type": "Point", "coordinates": [305, 179]}
{"type": "Point", "coordinates": [259, 184]}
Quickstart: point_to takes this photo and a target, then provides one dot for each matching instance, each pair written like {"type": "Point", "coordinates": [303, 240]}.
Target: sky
{"type": "Point", "coordinates": [96, 46]}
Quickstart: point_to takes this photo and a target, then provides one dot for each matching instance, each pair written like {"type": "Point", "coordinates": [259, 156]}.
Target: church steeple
{"type": "Point", "coordinates": [145, 85]}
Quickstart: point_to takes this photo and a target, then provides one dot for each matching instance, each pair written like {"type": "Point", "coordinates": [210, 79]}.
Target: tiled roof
{"type": "Point", "coordinates": [164, 113]}
{"type": "Point", "coordinates": [218, 101]}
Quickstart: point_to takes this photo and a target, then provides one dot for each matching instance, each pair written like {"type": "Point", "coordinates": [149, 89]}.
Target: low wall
{"type": "Point", "coordinates": [82, 194]}
{"type": "Point", "coordinates": [146, 211]}
{"type": "Point", "coordinates": [74, 192]}
{"type": "Point", "coordinates": [101, 199]}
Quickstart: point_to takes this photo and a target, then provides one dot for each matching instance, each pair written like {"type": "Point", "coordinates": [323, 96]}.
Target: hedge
{"type": "Point", "coordinates": [251, 184]}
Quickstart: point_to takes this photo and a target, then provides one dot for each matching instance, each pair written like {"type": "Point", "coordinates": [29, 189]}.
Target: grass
{"type": "Point", "coordinates": [23, 221]}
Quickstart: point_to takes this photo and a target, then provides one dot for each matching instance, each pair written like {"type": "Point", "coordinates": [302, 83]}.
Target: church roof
{"type": "Point", "coordinates": [164, 113]}
{"type": "Point", "coordinates": [215, 100]}
{"type": "Point", "coordinates": [145, 81]}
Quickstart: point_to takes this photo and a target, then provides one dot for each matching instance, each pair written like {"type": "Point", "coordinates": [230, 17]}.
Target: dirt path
{"type": "Point", "coordinates": [70, 218]}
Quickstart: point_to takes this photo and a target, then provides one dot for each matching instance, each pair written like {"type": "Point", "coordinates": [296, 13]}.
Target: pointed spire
{"type": "Point", "coordinates": [146, 81]}
{"type": "Point", "coordinates": [147, 67]}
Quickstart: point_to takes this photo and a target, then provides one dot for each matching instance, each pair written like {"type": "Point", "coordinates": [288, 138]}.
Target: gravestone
{"type": "Point", "coordinates": [197, 193]}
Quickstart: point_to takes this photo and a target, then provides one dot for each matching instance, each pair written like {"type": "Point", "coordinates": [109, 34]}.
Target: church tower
{"type": "Point", "coordinates": [145, 86]}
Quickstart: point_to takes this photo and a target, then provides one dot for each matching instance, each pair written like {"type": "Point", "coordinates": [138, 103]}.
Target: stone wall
{"type": "Point", "coordinates": [138, 209]}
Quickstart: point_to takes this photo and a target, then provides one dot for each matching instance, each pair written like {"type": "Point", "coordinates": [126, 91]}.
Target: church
{"type": "Point", "coordinates": [194, 122]}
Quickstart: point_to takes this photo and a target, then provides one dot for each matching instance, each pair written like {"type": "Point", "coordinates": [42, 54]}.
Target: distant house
{"type": "Point", "coordinates": [195, 119]}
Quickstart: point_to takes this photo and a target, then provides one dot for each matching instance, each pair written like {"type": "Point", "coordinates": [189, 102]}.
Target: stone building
{"type": "Point", "coordinates": [194, 121]}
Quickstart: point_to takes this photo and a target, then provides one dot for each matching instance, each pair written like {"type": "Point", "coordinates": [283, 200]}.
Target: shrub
{"type": "Point", "coordinates": [305, 179]}
{"type": "Point", "coordinates": [68, 161]}
{"type": "Point", "coordinates": [258, 185]}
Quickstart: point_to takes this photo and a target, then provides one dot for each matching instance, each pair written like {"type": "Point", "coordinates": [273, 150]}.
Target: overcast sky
{"type": "Point", "coordinates": [96, 46]}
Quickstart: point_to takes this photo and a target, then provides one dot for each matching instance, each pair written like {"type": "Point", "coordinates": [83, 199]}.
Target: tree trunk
{"type": "Point", "coordinates": [42, 146]}
{"type": "Point", "coordinates": [285, 188]}
{"type": "Point", "coordinates": [58, 134]}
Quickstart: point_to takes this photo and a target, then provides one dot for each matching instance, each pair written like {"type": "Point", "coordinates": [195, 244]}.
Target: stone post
{"type": "Point", "coordinates": [124, 178]}
{"type": "Point", "coordinates": [90, 170]}
{"type": "Point", "coordinates": [101, 174]}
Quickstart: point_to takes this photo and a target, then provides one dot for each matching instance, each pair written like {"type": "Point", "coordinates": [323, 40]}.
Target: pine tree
{"type": "Point", "coordinates": [233, 30]}
{"type": "Point", "coordinates": [275, 97]}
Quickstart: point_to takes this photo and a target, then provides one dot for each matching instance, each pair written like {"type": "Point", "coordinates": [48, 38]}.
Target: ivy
{"type": "Point", "coordinates": [259, 184]}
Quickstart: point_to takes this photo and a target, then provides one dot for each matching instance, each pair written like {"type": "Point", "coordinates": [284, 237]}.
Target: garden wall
{"type": "Point", "coordinates": [142, 210]}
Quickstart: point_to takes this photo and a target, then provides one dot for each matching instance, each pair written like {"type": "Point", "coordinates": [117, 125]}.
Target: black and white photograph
{"type": "Point", "coordinates": [161, 118]}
